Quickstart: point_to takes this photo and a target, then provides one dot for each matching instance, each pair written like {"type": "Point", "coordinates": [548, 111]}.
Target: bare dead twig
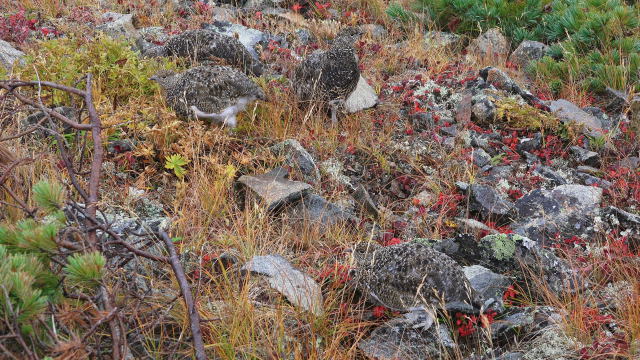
{"type": "Point", "coordinates": [194, 316]}
{"type": "Point", "coordinates": [95, 326]}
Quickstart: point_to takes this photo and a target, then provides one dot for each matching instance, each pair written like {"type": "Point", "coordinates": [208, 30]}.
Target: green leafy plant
{"type": "Point", "coordinates": [176, 162]}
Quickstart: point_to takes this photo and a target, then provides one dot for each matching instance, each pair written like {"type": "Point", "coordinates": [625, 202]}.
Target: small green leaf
{"type": "Point", "coordinates": [176, 162]}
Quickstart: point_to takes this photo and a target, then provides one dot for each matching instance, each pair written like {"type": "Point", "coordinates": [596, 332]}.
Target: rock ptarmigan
{"type": "Point", "coordinates": [213, 93]}
{"type": "Point", "coordinates": [329, 76]}
{"type": "Point", "coordinates": [203, 45]}
{"type": "Point", "coordinates": [410, 276]}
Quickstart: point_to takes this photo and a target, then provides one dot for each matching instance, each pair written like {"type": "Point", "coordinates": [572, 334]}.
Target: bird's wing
{"type": "Point", "coordinates": [307, 75]}
{"type": "Point", "coordinates": [214, 88]}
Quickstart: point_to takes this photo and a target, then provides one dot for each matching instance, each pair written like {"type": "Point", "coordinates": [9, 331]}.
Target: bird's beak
{"type": "Point", "coordinates": [153, 78]}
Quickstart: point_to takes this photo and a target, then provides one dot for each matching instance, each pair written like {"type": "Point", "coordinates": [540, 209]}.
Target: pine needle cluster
{"type": "Point", "coordinates": [30, 279]}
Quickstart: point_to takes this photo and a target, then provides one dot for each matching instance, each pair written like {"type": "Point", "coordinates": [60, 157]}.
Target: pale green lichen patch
{"type": "Point", "coordinates": [502, 246]}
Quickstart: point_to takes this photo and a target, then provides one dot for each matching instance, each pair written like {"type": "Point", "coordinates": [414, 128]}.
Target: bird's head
{"type": "Point", "coordinates": [164, 77]}
{"type": "Point", "coordinates": [363, 252]}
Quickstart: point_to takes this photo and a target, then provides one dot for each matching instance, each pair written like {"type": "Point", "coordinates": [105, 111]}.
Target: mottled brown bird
{"type": "Point", "coordinates": [213, 93]}
{"type": "Point", "coordinates": [204, 45]}
{"type": "Point", "coordinates": [329, 76]}
{"type": "Point", "coordinates": [410, 276]}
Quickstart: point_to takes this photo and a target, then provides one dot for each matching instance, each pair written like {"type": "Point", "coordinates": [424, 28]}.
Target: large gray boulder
{"type": "Point", "coordinates": [119, 26]}
{"type": "Point", "coordinates": [9, 55]}
{"type": "Point", "coordinates": [400, 339]}
{"type": "Point", "coordinates": [490, 46]}
{"type": "Point", "coordinates": [568, 112]}
{"type": "Point", "coordinates": [527, 52]}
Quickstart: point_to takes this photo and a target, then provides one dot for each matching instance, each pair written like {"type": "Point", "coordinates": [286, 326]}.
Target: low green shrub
{"type": "Point", "coordinates": [594, 43]}
{"type": "Point", "coordinates": [119, 72]}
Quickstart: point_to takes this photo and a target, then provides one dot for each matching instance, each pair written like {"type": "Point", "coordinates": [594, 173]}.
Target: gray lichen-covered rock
{"type": "Point", "coordinates": [299, 288]}
{"type": "Point", "coordinates": [481, 157]}
{"type": "Point", "coordinates": [524, 322]}
{"type": "Point", "coordinates": [376, 31]}
{"type": "Point", "coordinates": [626, 223]}
{"type": "Point", "coordinates": [442, 40]}
{"type": "Point", "coordinates": [488, 203]}
{"type": "Point", "coordinates": [527, 52]}
{"type": "Point", "coordinates": [566, 210]}
{"type": "Point", "coordinates": [411, 275]}
{"type": "Point", "coordinates": [584, 156]}
{"type": "Point", "coordinates": [274, 189]}
{"type": "Point", "coordinates": [297, 158]}
{"type": "Point", "coordinates": [362, 97]}
{"type": "Point", "coordinates": [399, 339]}
{"type": "Point", "coordinates": [514, 255]}
{"type": "Point", "coordinates": [9, 55]}
{"type": "Point", "coordinates": [553, 344]}
{"type": "Point", "coordinates": [489, 285]}
{"type": "Point", "coordinates": [571, 113]}
{"type": "Point", "coordinates": [119, 26]}
{"type": "Point", "coordinates": [489, 46]}
{"type": "Point", "coordinates": [249, 37]}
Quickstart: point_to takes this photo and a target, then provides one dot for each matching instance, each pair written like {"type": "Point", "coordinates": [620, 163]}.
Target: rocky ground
{"type": "Point", "coordinates": [445, 142]}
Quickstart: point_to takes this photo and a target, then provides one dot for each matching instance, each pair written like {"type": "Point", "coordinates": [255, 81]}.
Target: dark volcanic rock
{"type": "Point", "coordinates": [318, 211]}
{"type": "Point", "coordinates": [297, 158]}
{"type": "Point", "coordinates": [399, 339]}
{"type": "Point", "coordinates": [486, 201]}
{"type": "Point", "coordinates": [514, 255]}
{"type": "Point", "coordinates": [584, 156]}
{"type": "Point", "coordinates": [566, 210]}
{"type": "Point", "coordinates": [527, 52]}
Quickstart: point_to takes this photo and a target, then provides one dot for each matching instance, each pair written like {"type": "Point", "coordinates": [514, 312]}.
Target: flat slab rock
{"type": "Point", "coordinates": [299, 288]}
{"type": "Point", "coordinates": [274, 189]}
